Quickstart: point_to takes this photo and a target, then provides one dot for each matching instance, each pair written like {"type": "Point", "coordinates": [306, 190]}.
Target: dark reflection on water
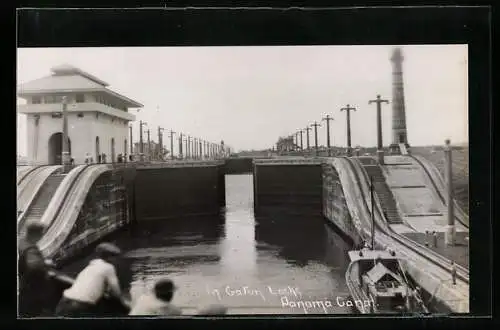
{"type": "Point", "coordinates": [252, 265]}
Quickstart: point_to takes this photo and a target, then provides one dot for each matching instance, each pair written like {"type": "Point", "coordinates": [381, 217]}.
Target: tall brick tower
{"type": "Point", "coordinates": [399, 133]}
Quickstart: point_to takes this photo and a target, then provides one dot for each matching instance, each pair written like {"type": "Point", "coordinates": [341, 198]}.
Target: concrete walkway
{"type": "Point", "coordinates": [418, 204]}
{"type": "Point", "coordinates": [458, 253]}
{"type": "Point", "coordinates": [421, 210]}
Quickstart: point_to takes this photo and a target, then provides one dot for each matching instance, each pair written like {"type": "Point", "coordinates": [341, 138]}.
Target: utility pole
{"type": "Point", "coordinates": [190, 147]}
{"type": "Point", "coordinates": [131, 141]}
{"type": "Point", "coordinates": [172, 144]}
{"type": "Point", "coordinates": [328, 119]}
{"type": "Point", "coordinates": [149, 144]}
{"type": "Point", "coordinates": [307, 129]}
{"type": "Point", "coordinates": [201, 148]}
{"type": "Point", "coordinates": [348, 110]}
{"type": "Point", "coordinates": [181, 156]}
{"type": "Point", "coordinates": [65, 156]}
{"type": "Point", "coordinates": [380, 151]}
{"type": "Point", "coordinates": [141, 140]}
{"type": "Point", "coordinates": [186, 149]}
{"type": "Point", "coordinates": [373, 217]}
{"type": "Point", "coordinates": [160, 142]}
{"type": "Point", "coordinates": [450, 228]}
{"type": "Point", "coordinates": [316, 125]}
{"type": "Point", "coordinates": [195, 148]}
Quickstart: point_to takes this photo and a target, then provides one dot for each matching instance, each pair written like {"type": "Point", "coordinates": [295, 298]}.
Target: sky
{"type": "Point", "coordinates": [250, 96]}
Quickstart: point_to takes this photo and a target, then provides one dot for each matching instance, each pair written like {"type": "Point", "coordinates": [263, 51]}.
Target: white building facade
{"type": "Point", "coordinates": [97, 117]}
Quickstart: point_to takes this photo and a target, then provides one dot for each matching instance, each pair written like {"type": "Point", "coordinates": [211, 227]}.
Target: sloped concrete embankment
{"type": "Point", "coordinates": [430, 277]}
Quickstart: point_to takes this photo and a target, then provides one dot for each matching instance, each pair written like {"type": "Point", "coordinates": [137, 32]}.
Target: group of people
{"type": "Point", "coordinates": [102, 158]}
{"type": "Point", "coordinates": [431, 238]}
{"type": "Point", "coordinates": [97, 283]}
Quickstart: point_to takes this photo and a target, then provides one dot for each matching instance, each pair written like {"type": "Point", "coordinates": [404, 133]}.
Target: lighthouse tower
{"type": "Point", "coordinates": [399, 133]}
{"type": "Point", "coordinates": [97, 117]}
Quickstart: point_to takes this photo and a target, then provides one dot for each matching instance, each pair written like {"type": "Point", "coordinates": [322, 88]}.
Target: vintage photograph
{"type": "Point", "coordinates": [248, 180]}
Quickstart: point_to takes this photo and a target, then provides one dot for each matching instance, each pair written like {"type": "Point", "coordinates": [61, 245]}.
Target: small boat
{"type": "Point", "coordinates": [378, 284]}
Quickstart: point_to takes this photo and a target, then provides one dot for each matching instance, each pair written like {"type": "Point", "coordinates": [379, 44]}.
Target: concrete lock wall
{"type": "Point", "coordinates": [104, 210]}
{"type": "Point", "coordinates": [293, 188]}
{"type": "Point", "coordinates": [166, 192]}
{"type": "Point", "coordinates": [238, 166]}
{"type": "Point", "coordinates": [335, 207]}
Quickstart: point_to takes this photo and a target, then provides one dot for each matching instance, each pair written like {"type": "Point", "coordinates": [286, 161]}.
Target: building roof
{"type": "Point", "coordinates": [67, 69]}
{"type": "Point", "coordinates": [66, 78]}
{"type": "Point", "coordinates": [379, 271]}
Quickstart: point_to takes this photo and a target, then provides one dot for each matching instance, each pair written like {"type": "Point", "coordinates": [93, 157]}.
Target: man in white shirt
{"type": "Point", "coordinates": [91, 284]}
{"type": "Point", "coordinates": [157, 302]}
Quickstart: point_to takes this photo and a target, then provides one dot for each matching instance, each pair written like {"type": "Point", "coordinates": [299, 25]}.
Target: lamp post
{"type": "Point", "coordinates": [172, 144]}
{"type": "Point", "coordinates": [301, 141]}
{"type": "Point", "coordinates": [141, 139]}
{"type": "Point", "coordinates": [65, 157]}
{"type": "Point", "coordinates": [160, 143]}
{"type": "Point", "coordinates": [348, 110]}
{"type": "Point", "coordinates": [307, 129]}
{"type": "Point", "coordinates": [149, 144]}
{"type": "Point", "coordinates": [316, 125]}
{"type": "Point", "coordinates": [380, 151]}
{"type": "Point", "coordinates": [181, 156]}
{"type": "Point", "coordinates": [328, 119]}
{"type": "Point", "coordinates": [450, 228]}
{"type": "Point", "coordinates": [131, 141]}
{"type": "Point", "coordinates": [200, 151]}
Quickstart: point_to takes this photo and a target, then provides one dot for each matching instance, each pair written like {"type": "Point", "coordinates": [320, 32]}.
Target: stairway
{"type": "Point", "coordinates": [42, 199]}
{"type": "Point", "coordinates": [384, 194]}
{"type": "Point", "coordinates": [402, 148]}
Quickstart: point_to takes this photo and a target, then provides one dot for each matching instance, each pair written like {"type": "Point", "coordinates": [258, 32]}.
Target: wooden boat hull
{"type": "Point", "coordinates": [362, 293]}
{"type": "Point", "coordinates": [357, 294]}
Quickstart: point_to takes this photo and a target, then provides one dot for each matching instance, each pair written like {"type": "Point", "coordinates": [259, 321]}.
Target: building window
{"type": "Point", "coordinates": [79, 98]}
{"type": "Point", "coordinates": [49, 99]}
{"type": "Point", "coordinates": [36, 100]}
{"type": "Point", "coordinates": [53, 99]}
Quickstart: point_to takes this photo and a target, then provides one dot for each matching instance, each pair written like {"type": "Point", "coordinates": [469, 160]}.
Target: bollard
{"type": "Point", "coordinates": [380, 157]}
{"type": "Point", "coordinates": [453, 273]}
{"type": "Point", "coordinates": [426, 240]}
{"type": "Point", "coordinates": [434, 239]}
{"type": "Point", "coordinates": [450, 228]}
